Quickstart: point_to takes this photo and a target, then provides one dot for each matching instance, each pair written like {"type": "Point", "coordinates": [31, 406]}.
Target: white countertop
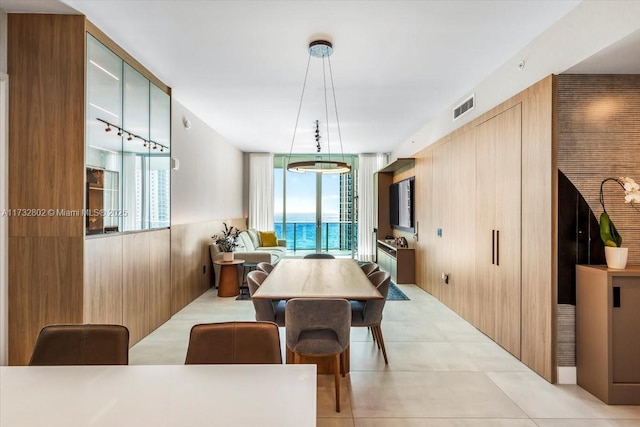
{"type": "Point", "coordinates": [176, 396]}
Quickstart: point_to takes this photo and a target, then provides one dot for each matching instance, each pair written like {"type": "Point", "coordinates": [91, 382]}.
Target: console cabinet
{"type": "Point", "coordinates": [608, 333]}
{"type": "Point", "coordinates": [399, 262]}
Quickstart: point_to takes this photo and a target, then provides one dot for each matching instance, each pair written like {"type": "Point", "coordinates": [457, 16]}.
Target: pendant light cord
{"type": "Point", "coordinates": [295, 128]}
{"type": "Point", "coordinates": [335, 106]}
{"type": "Point", "coordinates": [326, 107]}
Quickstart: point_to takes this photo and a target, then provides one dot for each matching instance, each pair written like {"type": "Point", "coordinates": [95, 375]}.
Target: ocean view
{"type": "Point", "coordinates": [301, 232]}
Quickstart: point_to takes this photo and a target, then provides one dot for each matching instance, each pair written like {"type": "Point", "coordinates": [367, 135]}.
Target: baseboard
{"type": "Point", "coordinates": [567, 375]}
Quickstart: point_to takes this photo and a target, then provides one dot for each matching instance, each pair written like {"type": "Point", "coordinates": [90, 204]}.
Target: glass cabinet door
{"type": "Point", "coordinates": [103, 144]}
{"type": "Point", "coordinates": [135, 151]}
{"type": "Point", "coordinates": [160, 159]}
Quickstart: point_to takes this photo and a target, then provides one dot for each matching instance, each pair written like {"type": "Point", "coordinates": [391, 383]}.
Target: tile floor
{"type": "Point", "coordinates": [442, 372]}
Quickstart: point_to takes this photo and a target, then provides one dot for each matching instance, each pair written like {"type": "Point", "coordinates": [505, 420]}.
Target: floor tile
{"type": "Point", "coordinates": [429, 394]}
{"type": "Point", "coordinates": [587, 423]}
{"type": "Point", "coordinates": [540, 399]}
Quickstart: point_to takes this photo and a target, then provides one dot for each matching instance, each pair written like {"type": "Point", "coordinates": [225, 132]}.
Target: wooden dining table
{"type": "Point", "coordinates": [317, 278]}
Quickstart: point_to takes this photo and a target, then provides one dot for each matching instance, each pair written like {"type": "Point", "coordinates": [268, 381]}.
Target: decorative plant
{"type": "Point", "coordinates": [608, 232]}
{"type": "Point", "coordinates": [228, 240]}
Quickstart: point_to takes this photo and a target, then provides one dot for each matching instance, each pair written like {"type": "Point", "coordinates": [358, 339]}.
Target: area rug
{"type": "Point", "coordinates": [395, 294]}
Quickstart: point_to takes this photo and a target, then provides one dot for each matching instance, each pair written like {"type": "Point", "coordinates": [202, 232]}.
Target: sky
{"type": "Point", "coordinates": [301, 196]}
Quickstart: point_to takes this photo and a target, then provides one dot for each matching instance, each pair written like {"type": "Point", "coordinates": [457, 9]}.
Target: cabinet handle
{"type": "Point", "coordinates": [493, 246]}
{"type": "Point", "coordinates": [497, 247]}
{"type": "Point", "coordinates": [616, 297]}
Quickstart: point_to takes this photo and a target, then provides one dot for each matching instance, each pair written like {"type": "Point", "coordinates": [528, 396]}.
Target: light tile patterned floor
{"type": "Point", "coordinates": [442, 372]}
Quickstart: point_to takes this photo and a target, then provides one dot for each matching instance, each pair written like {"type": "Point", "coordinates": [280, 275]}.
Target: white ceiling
{"type": "Point", "coordinates": [239, 65]}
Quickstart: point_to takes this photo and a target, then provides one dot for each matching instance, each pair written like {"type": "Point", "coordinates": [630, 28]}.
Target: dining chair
{"type": "Point", "coordinates": [319, 256]}
{"type": "Point", "coordinates": [67, 344]}
{"type": "Point", "coordinates": [265, 266]}
{"type": "Point", "coordinates": [369, 268]}
{"type": "Point", "coordinates": [234, 343]}
{"type": "Point", "coordinates": [266, 310]}
{"type": "Point", "coordinates": [369, 313]}
{"type": "Point", "coordinates": [319, 327]}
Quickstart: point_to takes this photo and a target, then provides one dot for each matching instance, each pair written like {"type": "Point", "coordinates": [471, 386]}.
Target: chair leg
{"type": "Point", "coordinates": [336, 371]}
{"type": "Point", "coordinates": [376, 339]}
{"type": "Point", "coordinates": [343, 363]}
{"type": "Point", "coordinates": [378, 328]}
{"type": "Point", "coordinates": [373, 335]}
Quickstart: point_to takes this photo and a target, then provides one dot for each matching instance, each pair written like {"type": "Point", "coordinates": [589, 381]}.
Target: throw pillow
{"type": "Point", "coordinates": [268, 238]}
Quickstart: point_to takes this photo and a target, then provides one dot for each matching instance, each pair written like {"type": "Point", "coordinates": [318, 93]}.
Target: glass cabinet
{"type": "Point", "coordinates": [127, 153]}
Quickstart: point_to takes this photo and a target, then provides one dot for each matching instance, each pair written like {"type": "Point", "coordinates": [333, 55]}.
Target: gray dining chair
{"type": "Point", "coordinates": [369, 268]}
{"type": "Point", "coordinates": [70, 344]}
{"type": "Point", "coordinates": [319, 256]}
{"type": "Point", "coordinates": [266, 310]}
{"type": "Point", "coordinates": [369, 313]}
{"type": "Point", "coordinates": [317, 328]}
{"type": "Point", "coordinates": [265, 267]}
{"type": "Point", "coordinates": [234, 343]}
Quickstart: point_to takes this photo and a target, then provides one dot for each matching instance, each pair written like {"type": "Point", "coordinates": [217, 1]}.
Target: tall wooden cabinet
{"type": "Point", "coordinates": [498, 229]}
{"type": "Point", "coordinates": [487, 223]}
{"type": "Point", "coordinates": [56, 273]}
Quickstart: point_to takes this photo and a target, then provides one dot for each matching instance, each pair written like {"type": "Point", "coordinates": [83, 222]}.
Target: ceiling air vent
{"type": "Point", "coordinates": [466, 106]}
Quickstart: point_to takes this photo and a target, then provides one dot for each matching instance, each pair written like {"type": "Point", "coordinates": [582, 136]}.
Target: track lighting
{"type": "Point", "coordinates": [130, 136]}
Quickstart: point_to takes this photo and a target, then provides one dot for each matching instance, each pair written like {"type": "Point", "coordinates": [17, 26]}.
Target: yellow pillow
{"type": "Point", "coordinates": [268, 238]}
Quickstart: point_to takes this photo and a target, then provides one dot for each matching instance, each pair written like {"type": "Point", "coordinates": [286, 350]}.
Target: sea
{"type": "Point", "coordinates": [301, 232]}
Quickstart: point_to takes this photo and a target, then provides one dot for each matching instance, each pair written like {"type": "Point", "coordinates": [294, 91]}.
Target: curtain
{"type": "Point", "coordinates": [368, 165]}
{"type": "Point", "coordinates": [261, 191]}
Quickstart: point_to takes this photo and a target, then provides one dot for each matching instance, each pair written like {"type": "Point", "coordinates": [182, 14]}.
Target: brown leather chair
{"type": "Point", "coordinates": [234, 343]}
{"type": "Point", "coordinates": [81, 345]}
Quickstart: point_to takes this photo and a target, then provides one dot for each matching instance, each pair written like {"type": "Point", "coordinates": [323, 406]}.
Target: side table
{"type": "Point", "coordinates": [228, 284]}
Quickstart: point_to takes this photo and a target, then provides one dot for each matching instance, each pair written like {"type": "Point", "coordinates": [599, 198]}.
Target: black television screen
{"type": "Point", "coordinates": [401, 204]}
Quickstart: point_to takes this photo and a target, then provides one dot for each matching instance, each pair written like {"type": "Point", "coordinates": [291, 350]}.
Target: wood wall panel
{"type": "Point", "coordinates": [423, 218]}
{"type": "Point", "coordinates": [135, 285]}
{"type": "Point", "coordinates": [191, 266]}
{"type": "Point", "coordinates": [539, 238]}
{"type": "Point", "coordinates": [539, 230]}
{"type": "Point", "coordinates": [103, 267]}
{"type": "Point", "coordinates": [159, 277]}
{"type": "Point", "coordinates": [46, 123]}
{"type": "Point", "coordinates": [45, 287]}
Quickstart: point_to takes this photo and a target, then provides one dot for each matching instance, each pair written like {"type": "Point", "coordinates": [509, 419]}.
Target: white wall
{"type": "Point", "coordinates": [209, 184]}
{"type": "Point", "coordinates": [586, 30]}
{"type": "Point", "coordinates": [4, 116]}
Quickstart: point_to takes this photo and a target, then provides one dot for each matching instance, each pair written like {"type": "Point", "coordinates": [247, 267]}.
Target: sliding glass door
{"type": "Point", "coordinates": [315, 212]}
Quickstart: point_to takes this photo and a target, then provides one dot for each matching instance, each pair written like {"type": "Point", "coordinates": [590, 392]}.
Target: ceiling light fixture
{"type": "Point", "coordinates": [320, 49]}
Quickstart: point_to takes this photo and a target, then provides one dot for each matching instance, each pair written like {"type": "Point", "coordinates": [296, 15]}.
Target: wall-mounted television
{"type": "Point", "coordinates": [401, 212]}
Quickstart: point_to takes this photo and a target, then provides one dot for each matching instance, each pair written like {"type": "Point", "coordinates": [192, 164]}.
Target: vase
{"type": "Point", "coordinates": [227, 256]}
{"type": "Point", "coordinates": [616, 257]}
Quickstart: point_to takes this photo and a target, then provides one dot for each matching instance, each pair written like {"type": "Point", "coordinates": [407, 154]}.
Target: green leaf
{"type": "Point", "coordinates": [608, 232]}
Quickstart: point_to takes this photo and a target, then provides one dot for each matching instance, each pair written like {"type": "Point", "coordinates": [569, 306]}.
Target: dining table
{"type": "Point", "coordinates": [160, 396]}
{"type": "Point", "coordinates": [318, 278]}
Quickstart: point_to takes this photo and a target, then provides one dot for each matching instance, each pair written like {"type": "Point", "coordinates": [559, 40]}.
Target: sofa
{"type": "Point", "coordinates": [249, 249]}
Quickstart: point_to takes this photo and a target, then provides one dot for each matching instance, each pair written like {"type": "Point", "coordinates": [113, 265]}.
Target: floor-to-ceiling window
{"type": "Point", "coordinates": [316, 212]}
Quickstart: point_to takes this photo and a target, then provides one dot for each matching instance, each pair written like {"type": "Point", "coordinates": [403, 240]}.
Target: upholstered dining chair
{"type": "Point", "coordinates": [266, 310]}
{"type": "Point", "coordinates": [369, 268]}
{"type": "Point", "coordinates": [234, 343]}
{"type": "Point", "coordinates": [265, 266]}
{"type": "Point", "coordinates": [319, 327]}
{"type": "Point", "coordinates": [369, 313]}
{"type": "Point", "coordinates": [68, 344]}
{"type": "Point", "coordinates": [319, 256]}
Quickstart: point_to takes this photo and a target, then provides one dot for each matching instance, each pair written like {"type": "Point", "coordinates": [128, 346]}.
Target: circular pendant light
{"type": "Point", "coordinates": [320, 49]}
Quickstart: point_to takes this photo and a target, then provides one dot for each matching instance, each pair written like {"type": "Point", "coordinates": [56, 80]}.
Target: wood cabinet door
{"type": "Point", "coordinates": [508, 225]}
{"type": "Point", "coordinates": [485, 301]}
{"type": "Point", "coordinates": [135, 285]}
{"type": "Point", "coordinates": [498, 228]}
